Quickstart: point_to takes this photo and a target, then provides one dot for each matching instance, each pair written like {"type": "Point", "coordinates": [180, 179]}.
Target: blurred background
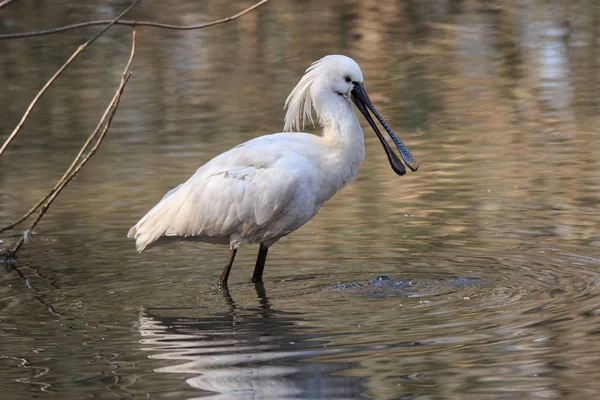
{"type": "Point", "coordinates": [492, 248]}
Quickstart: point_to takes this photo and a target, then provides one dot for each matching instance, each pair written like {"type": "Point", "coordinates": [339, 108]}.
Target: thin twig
{"type": "Point", "coordinates": [79, 50]}
{"type": "Point", "coordinates": [75, 160]}
{"type": "Point", "coordinates": [37, 205]}
{"type": "Point", "coordinates": [68, 171]}
{"type": "Point", "coordinates": [60, 182]}
{"type": "Point", "coordinates": [132, 23]}
{"type": "Point", "coordinates": [104, 124]}
{"type": "Point", "coordinates": [63, 178]}
{"type": "Point", "coordinates": [5, 3]}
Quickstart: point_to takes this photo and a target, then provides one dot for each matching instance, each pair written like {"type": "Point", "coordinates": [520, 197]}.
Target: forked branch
{"type": "Point", "coordinates": [117, 20]}
{"type": "Point", "coordinates": [99, 133]}
{"type": "Point", "coordinates": [79, 50]}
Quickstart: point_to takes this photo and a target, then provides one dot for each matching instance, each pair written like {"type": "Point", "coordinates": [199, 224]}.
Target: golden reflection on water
{"type": "Point", "coordinates": [499, 102]}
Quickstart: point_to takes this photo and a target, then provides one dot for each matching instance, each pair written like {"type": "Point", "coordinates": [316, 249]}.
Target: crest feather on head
{"type": "Point", "coordinates": [299, 102]}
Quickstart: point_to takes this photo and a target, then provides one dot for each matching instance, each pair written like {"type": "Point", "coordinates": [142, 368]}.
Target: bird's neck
{"type": "Point", "coordinates": [343, 137]}
{"type": "Point", "coordinates": [340, 125]}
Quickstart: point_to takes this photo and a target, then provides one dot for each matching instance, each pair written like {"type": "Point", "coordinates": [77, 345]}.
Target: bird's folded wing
{"type": "Point", "coordinates": [217, 203]}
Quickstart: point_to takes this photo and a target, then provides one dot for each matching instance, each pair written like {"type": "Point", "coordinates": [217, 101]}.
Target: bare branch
{"type": "Point", "coordinates": [60, 182]}
{"type": "Point", "coordinates": [103, 125]}
{"type": "Point", "coordinates": [32, 209]}
{"type": "Point", "coordinates": [5, 3]}
{"type": "Point", "coordinates": [133, 24]}
{"type": "Point", "coordinates": [79, 50]}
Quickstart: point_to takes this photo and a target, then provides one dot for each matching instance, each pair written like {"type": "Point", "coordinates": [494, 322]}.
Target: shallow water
{"type": "Point", "coordinates": [476, 277]}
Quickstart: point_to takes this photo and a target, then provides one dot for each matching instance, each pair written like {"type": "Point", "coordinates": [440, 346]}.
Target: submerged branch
{"type": "Point", "coordinates": [133, 24]}
{"type": "Point", "coordinates": [101, 128]}
{"type": "Point", "coordinates": [38, 297]}
{"type": "Point", "coordinates": [79, 50]}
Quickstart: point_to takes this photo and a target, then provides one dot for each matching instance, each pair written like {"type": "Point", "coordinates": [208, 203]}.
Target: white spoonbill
{"type": "Point", "coordinates": [266, 188]}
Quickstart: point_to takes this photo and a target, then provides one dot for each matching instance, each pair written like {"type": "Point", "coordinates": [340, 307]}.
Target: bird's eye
{"type": "Point", "coordinates": [347, 79]}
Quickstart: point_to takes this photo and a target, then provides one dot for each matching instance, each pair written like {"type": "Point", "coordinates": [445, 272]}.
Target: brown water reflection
{"type": "Point", "coordinates": [492, 246]}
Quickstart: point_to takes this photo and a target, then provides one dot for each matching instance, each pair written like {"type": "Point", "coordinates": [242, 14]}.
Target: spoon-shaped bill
{"type": "Point", "coordinates": [395, 162]}
{"type": "Point", "coordinates": [363, 103]}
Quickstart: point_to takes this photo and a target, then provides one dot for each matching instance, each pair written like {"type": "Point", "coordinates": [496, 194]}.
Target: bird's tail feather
{"type": "Point", "coordinates": [156, 222]}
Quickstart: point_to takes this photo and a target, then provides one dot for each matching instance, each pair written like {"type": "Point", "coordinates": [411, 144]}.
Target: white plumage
{"type": "Point", "coordinates": [269, 186]}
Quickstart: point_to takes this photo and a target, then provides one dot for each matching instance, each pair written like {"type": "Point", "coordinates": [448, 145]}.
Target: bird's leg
{"type": "Point", "coordinates": [260, 263]}
{"type": "Point", "coordinates": [223, 280]}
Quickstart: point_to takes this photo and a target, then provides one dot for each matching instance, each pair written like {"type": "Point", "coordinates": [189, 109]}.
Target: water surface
{"type": "Point", "coordinates": [476, 277]}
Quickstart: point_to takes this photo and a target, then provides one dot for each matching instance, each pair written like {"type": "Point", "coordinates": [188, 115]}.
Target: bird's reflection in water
{"type": "Point", "coordinates": [247, 352]}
